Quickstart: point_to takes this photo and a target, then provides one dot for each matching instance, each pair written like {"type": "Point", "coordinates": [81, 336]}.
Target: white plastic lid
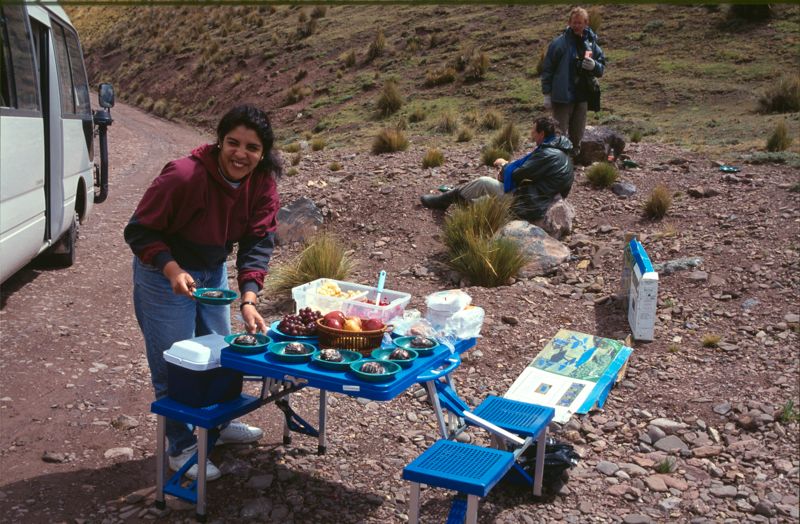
{"type": "Point", "coordinates": [198, 354]}
{"type": "Point", "coordinates": [452, 300]}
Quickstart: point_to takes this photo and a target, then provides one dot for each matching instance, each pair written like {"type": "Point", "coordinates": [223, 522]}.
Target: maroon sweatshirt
{"type": "Point", "coordinates": [192, 215]}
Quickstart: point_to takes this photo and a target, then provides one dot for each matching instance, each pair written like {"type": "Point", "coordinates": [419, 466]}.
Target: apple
{"type": "Point", "coordinates": [338, 315]}
{"type": "Point", "coordinates": [372, 324]}
{"type": "Point", "coordinates": [333, 323]}
{"type": "Point", "coordinates": [352, 324]}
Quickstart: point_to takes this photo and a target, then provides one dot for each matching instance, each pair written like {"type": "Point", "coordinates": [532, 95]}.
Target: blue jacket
{"type": "Point", "coordinates": [560, 69]}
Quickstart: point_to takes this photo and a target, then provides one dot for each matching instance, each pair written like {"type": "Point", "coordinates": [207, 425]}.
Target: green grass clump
{"type": "Point", "coordinates": [324, 256]}
{"type": "Point", "coordinates": [294, 147]}
{"type": "Point", "coordinates": [474, 251]}
{"type": "Point", "coordinates": [441, 76]}
{"type": "Point", "coordinates": [296, 158]}
{"type": "Point", "coordinates": [477, 67]}
{"type": "Point", "coordinates": [636, 136]}
{"type": "Point", "coordinates": [602, 174]}
{"type": "Point", "coordinates": [447, 123]}
{"type": "Point", "coordinates": [464, 134]}
{"type": "Point", "coordinates": [377, 47]}
{"type": "Point", "coordinates": [490, 154]}
{"type": "Point", "coordinates": [296, 94]}
{"type": "Point", "coordinates": [789, 413]}
{"type": "Point", "coordinates": [781, 157]}
{"type": "Point", "coordinates": [471, 118]}
{"type": "Point", "coordinates": [390, 100]}
{"type": "Point", "coordinates": [595, 18]}
{"type": "Point", "coordinates": [492, 120]}
{"type": "Point", "coordinates": [335, 166]}
{"type": "Point", "coordinates": [658, 203]}
{"type": "Point", "coordinates": [710, 340]}
{"type": "Point", "coordinates": [389, 140]}
{"type": "Point", "coordinates": [318, 144]}
{"type": "Point", "coordinates": [540, 61]}
{"type": "Point", "coordinates": [780, 138]}
{"type": "Point", "coordinates": [292, 171]}
{"type": "Point", "coordinates": [665, 466]}
{"type": "Point", "coordinates": [781, 97]}
{"type": "Point", "coordinates": [507, 138]}
{"type": "Point", "coordinates": [417, 115]}
{"type": "Point", "coordinates": [433, 158]}
{"type": "Point", "coordinates": [348, 58]}
{"type": "Point", "coordinates": [160, 107]}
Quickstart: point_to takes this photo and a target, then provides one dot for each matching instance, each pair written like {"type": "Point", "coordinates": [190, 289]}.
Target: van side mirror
{"type": "Point", "coordinates": [106, 95]}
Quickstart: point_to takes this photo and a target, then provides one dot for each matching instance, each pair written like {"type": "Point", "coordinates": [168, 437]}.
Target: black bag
{"type": "Point", "coordinates": [558, 458]}
{"type": "Point", "coordinates": [593, 95]}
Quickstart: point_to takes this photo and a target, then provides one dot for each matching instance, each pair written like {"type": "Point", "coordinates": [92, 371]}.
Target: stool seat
{"type": "Point", "coordinates": [520, 418]}
{"type": "Point", "coordinates": [209, 416]}
{"type": "Point", "coordinates": [461, 467]}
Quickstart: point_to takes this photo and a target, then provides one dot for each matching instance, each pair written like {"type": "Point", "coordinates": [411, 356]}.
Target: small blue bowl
{"type": "Point", "coordinates": [382, 354]}
{"type": "Point", "coordinates": [390, 367]}
{"type": "Point", "coordinates": [277, 350]}
{"type": "Point", "coordinates": [405, 343]}
{"type": "Point", "coordinates": [259, 347]}
{"type": "Point", "coordinates": [348, 357]}
{"type": "Point", "coordinates": [227, 297]}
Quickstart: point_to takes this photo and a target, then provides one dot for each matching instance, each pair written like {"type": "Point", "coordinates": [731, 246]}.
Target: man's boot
{"type": "Point", "coordinates": [441, 201]}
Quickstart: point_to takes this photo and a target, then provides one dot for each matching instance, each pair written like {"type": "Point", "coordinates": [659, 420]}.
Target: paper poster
{"type": "Point", "coordinates": [573, 373]}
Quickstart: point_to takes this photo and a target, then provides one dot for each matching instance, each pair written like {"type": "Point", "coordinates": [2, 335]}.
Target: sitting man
{"type": "Point", "coordinates": [534, 179]}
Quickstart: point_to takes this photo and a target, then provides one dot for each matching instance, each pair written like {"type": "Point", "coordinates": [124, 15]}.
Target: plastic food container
{"type": "Point", "coordinates": [354, 303]}
{"type": "Point", "coordinates": [444, 304]}
{"type": "Point", "coordinates": [194, 375]}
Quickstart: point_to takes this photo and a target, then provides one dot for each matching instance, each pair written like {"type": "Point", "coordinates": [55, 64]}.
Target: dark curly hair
{"type": "Point", "coordinates": [253, 118]}
{"type": "Point", "coordinates": [548, 125]}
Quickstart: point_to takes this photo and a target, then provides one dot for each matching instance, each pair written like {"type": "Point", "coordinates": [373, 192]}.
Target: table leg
{"type": "Point", "coordinates": [287, 433]}
{"type": "Point", "coordinates": [161, 451]}
{"type": "Point", "coordinates": [437, 407]}
{"type": "Point", "coordinates": [472, 509]}
{"type": "Point", "coordinates": [541, 442]}
{"type": "Point", "coordinates": [202, 457]}
{"type": "Point", "coordinates": [323, 416]}
{"type": "Point", "coordinates": [413, 504]}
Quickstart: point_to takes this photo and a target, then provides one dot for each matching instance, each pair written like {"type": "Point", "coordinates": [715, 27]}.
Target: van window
{"type": "Point", "coordinates": [19, 87]}
{"type": "Point", "coordinates": [64, 71]}
{"type": "Point", "coordinates": [79, 84]}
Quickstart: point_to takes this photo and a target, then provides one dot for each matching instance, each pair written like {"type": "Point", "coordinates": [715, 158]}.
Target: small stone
{"type": "Point", "coordinates": [656, 483]}
{"type": "Point", "coordinates": [511, 321]}
{"type": "Point", "coordinates": [697, 276]}
{"type": "Point", "coordinates": [256, 508]}
{"type": "Point", "coordinates": [125, 422]}
{"type": "Point", "coordinates": [724, 491]}
{"type": "Point", "coordinates": [607, 468]}
{"type": "Point", "coordinates": [113, 453]}
{"type": "Point", "coordinates": [259, 482]}
{"type": "Point", "coordinates": [723, 408]}
{"type": "Point", "coordinates": [623, 189]}
{"type": "Point", "coordinates": [706, 451]}
{"type": "Point", "coordinates": [791, 318]}
{"type": "Point", "coordinates": [671, 442]}
{"type": "Point", "coordinates": [54, 457]}
{"type": "Point", "coordinates": [637, 519]}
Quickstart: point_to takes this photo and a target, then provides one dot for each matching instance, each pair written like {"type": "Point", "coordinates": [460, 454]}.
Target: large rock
{"type": "Point", "coordinates": [598, 143]}
{"type": "Point", "coordinates": [544, 251]}
{"type": "Point", "coordinates": [298, 221]}
{"type": "Point", "coordinates": [558, 219]}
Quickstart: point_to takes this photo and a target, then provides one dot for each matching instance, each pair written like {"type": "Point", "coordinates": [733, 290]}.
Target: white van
{"type": "Point", "coordinates": [48, 181]}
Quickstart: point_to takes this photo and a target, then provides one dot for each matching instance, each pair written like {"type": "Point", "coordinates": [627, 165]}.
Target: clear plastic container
{"type": "Point", "coordinates": [352, 302]}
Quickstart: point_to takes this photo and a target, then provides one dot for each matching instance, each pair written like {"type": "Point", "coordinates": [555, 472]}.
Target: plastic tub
{"type": "Point", "coordinates": [194, 375]}
{"type": "Point", "coordinates": [352, 301]}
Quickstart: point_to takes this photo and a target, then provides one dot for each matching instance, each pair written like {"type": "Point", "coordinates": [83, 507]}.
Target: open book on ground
{"type": "Point", "coordinates": [573, 373]}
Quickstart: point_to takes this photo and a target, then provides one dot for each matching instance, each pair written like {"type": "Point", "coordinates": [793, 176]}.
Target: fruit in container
{"type": "Point", "coordinates": [332, 289]}
{"type": "Point", "coordinates": [352, 324]}
{"type": "Point", "coordinates": [372, 324]}
{"type": "Point", "coordinates": [337, 315]}
{"type": "Point", "coordinates": [384, 301]}
{"type": "Point", "coordinates": [333, 323]}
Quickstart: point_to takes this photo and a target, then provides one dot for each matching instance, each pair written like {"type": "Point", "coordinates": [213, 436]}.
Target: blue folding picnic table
{"type": "Point", "coordinates": [279, 380]}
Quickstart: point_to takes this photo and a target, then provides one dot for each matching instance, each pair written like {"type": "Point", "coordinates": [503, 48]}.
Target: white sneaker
{"type": "Point", "coordinates": [239, 433]}
{"type": "Point", "coordinates": [177, 462]}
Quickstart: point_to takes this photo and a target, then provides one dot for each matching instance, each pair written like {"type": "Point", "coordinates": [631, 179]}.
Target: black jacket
{"type": "Point", "coordinates": [547, 172]}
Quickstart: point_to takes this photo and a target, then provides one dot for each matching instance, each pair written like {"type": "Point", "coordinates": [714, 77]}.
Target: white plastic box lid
{"type": "Point", "coordinates": [198, 354]}
{"type": "Point", "coordinates": [449, 301]}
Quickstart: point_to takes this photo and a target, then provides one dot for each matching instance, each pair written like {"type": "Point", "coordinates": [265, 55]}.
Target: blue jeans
{"type": "Point", "coordinates": [166, 318]}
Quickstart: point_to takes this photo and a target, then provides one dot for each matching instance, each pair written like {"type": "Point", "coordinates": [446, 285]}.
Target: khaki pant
{"type": "Point", "coordinates": [572, 120]}
{"type": "Point", "coordinates": [481, 186]}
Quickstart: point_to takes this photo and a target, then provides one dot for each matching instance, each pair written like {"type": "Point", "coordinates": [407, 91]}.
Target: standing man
{"type": "Point", "coordinates": [571, 66]}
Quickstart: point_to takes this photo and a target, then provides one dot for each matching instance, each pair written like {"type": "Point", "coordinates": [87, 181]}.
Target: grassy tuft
{"type": "Point", "coordinates": [389, 140]}
{"type": "Point", "coordinates": [477, 67]}
{"type": "Point", "coordinates": [783, 157]}
{"type": "Point", "coordinates": [507, 138]}
{"type": "Point", "coordinates": [377, 47]}
{"type": "Point", "coordinates": [636, 136]}
{"type": "Point", "coordinates": [441, 76]}
{"type": "Point", "coordinates": [464, 134]}
{"type": "Point", "coordinates": [710, 340]}
{"type": "Point", "coordinates": [390, 100]}
{"type": "Point", "coordinates": [602, 174]}
{"type": "Point", "coordinates": [296, 158]}
{"type": "Point", "coordinates": [417, 115]}
{"type": "Point", "coordinates": [433, 158]}
{"type": "Point", "coordinates": [780, 140]}
{"type": "Point", "coordinates": [492, 120]}
{"type": "Point", "coordinates": [540, 61]}
{"type": "Point", "coordinates": [318, 144]}
{"type": "Point", "coordinates": [658, 203]}
{"type": "Point", "coordinates": [294, 147]}
{"type": "Point", "coordinates": [665, 466]}
{"type": "Point", "coordinates": [447, 123]}
{"type": "Point", "coordinates": [473, 250]}
{"type": "Point", "coordinates": [292, 171]}
{"type": "Point", "coordinates": [781, 97]}
{"type": "Point", "coordinates": [471, 118]}
{"type": "Point", "coordinates": [335, 166]}
{"type": "Point", "coordinates": [348, 58]}
{"type": "Point", "coordinates": [319, 11]}
{"type": "Point", "coordinates": [490, 154]}
{"type": "Point", "coordinates": [595, 18]}
{"type": "Point", "coordinates": [324, 256]}
{"type": "Point", "coordinates": [789, 413]}
{"type": "Point", "coordinates": [296, 94]}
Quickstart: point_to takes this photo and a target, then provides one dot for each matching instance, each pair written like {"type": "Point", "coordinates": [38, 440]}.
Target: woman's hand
{"type": "Point", "coordinates": [181, 282]}
{"type": "Point", "coordinates": [253, 321]}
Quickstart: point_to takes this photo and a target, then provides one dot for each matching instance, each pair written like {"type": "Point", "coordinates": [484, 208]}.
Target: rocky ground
{"type": "Point", "coordinates": [693, 433]}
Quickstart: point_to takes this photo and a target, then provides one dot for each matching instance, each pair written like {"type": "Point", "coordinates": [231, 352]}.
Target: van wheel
{"type": "Point", "coordinates": [62, 254]}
